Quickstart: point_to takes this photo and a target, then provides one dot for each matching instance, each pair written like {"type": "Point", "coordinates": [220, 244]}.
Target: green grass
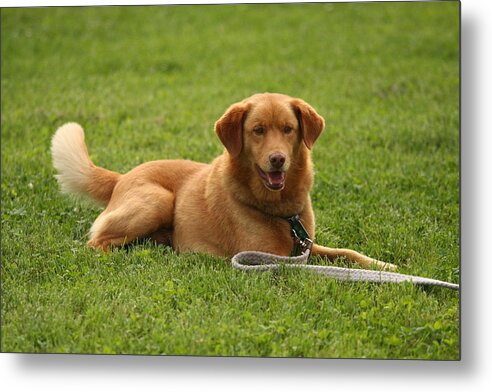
{"type": "Point", "coordinates": [148, 83]}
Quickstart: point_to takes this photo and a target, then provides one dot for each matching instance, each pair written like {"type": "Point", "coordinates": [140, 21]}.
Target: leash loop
{"type": "Point", "coordinates": [261, 261]}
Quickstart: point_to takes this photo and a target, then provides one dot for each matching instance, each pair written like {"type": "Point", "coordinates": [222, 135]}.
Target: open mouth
{"type": "Point", "coordinates": [273, 180]}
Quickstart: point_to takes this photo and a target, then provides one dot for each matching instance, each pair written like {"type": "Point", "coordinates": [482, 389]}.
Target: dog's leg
{"type": "Point", "coordinates": [137, 214]}
{"type": "Point", "coordinates": [352, 255]}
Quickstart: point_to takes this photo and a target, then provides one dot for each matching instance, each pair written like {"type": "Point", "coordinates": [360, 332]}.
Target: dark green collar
{"type": "Point", "coordinates": [302, 241]}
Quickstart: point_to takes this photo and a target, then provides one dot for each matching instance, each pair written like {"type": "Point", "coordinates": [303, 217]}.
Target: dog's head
{"type": "Point", "coordinates": [267, 132]}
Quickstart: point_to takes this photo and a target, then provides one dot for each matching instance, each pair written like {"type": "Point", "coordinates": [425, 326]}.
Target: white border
{"type": "Point", "coordinates": [87, 373]}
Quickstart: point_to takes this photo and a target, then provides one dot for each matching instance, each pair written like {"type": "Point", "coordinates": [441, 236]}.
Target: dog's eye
{"type": "Point", "coordinates": [259, 130]}
{"type": "Point", "coordinates": [288, 129]}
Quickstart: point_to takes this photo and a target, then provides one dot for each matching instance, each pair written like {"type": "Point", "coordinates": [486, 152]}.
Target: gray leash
{"type": "Point", "coordinates": [260, 261]}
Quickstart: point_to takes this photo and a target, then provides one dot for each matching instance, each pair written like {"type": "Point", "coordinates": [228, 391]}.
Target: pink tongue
{"type": "Point", "coordinates": [275, 178]}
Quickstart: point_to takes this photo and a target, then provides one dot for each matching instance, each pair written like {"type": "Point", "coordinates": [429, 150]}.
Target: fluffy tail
{"type": "Point", "coordinates": [77, 173]}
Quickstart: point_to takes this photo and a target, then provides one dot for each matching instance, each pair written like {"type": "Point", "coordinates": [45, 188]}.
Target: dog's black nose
{"type": "Point", "coordinates": [277, 160]}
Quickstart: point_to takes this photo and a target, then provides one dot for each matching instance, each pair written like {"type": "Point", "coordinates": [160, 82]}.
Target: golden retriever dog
{"type": "Point", "coordinates": [239, 202]}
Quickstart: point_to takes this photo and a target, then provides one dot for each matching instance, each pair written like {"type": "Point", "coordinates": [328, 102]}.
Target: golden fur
{"type": "Point", "coordinates": [239, 202]}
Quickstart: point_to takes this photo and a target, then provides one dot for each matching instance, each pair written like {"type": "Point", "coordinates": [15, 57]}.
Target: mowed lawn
{"type": "Point", "coordinates": [148, 83]}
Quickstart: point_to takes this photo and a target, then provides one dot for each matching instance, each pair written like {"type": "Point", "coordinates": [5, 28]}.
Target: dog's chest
{"type": "Point", "coordinates": [225, 232]}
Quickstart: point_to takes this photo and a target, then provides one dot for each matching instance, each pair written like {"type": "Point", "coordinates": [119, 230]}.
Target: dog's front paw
{"type": "Point", "coordinates": [386, 266]}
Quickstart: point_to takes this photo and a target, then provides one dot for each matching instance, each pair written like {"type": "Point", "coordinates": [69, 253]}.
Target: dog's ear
{"type": "Point", "coordinates": [229, 128]}
{"type": "Point", "coordinates": [311, 123]}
